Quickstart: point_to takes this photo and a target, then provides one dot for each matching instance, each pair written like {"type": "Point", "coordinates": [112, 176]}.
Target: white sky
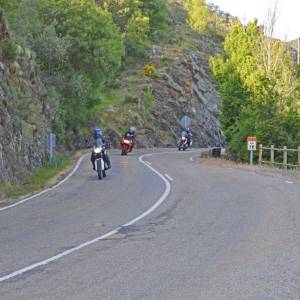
{"type": "Point", "coordinates": [288, 24]}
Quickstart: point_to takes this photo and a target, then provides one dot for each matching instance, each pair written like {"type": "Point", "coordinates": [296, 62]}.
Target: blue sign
{"type": "Point", "coordinates": [51, 144]}
{"type": "Point", "coordinates": [186, 122]}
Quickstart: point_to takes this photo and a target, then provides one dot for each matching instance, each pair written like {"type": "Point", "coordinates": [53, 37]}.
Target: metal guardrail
{"type": "Point", "coordinates": [272, 161]}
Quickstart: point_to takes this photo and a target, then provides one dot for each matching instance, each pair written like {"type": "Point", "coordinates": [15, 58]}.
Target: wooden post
{"type": "Point", "coordinates": [299, 156]}
{"type": "Point", "coordinates": [285, 158]}
{"type": "Point", "coordinates": [272, 155]}
{"type": "Point", "coordinates": [260, 154]}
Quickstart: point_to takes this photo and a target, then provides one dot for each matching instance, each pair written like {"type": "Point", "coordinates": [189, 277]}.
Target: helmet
{"type": "Point", "coordinates": [132, 130]}
{"type": "Point", "coordinates": [97, 133]}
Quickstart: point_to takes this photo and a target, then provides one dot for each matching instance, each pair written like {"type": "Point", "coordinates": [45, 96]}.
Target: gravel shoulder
{"type": "Point", "coordinates": [292, 175]}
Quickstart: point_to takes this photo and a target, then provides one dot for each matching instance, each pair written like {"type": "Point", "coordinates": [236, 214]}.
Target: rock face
{"type": "Point", "coordinates": [24, 114]}
{"type": "Point", "coordinates": [185, 89]}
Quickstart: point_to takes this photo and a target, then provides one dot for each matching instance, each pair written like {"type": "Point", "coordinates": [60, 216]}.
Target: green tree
{"type": "Point", "coordinates": [79, 49]}
{"type": "Point", "coordinates": [156, 10]}
{"type": "Point", "coordinates": [136, 37]}
{"type": "Point", "coordinates": [198, 14]}
{"type": "Point", "coordinates": [10, 7]}
{"type": "Point", "coordinates": [96, 44]}
{"type": "Point", "coordinates": [258, 88]}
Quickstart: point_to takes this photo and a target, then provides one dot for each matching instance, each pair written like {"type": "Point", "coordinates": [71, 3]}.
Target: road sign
{"type": "Point", "coordinates": [186, 122]}
{"type": "Point", "coordinates": [251, 143]}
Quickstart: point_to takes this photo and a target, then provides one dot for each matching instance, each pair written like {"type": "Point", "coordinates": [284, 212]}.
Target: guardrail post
{"type": "Point", "coordinates": [260, 154]}
{"type": "Point", "coordinates": [272, 155]}
{"type": "Point", "coordinates": [299, 156]}
{"type": "Point", "coordinates": [285, 157]}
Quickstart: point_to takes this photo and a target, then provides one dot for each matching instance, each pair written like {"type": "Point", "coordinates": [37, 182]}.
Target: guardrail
{"type": "Point", "coordinates": [272, 161]}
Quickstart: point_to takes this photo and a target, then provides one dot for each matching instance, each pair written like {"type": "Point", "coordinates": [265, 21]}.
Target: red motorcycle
{"type": "Point", "coordinates": [126, 146]}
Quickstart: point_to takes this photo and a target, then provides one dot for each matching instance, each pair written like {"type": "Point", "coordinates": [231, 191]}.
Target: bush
{"type": "Point", "coordinates": [167, 60]}
{"type": "Point", "coordinates": [149, 98]}
{"type": "Point", "coordinates": [9, 50]}
{"type": "Point", "coordinates": [129, 99]}
{"type": "Point", "coordinates": [149, 70]}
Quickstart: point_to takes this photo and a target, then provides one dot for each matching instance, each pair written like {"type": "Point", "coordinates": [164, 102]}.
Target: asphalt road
{"type": "Point", "coordinates": [218, 233]}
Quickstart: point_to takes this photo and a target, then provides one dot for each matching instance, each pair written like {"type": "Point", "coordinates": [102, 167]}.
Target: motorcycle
{"type": "Point", "coordinates": [99, 152]}
{"type": "Point", "coordinates": [182, 143]}
{"type": "Point", "coordinates": [126, 146]}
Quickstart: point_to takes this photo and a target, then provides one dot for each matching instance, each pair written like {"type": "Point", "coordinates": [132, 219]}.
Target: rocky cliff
{"type": "Point", "coordinates": [24, 112]}
{"type": "Point", "coordinates": [187, 90]}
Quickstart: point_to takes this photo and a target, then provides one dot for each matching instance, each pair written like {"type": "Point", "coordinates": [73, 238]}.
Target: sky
{"type": "Point", "coordinates": [288, 24]}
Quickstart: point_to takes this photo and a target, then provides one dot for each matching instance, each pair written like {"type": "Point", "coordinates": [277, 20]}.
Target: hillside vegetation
{"type": "Point", "coordinates": [259, 84]}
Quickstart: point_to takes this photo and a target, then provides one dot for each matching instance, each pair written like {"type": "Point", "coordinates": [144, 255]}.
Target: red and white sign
{"type": "Point", "coordinates": [251, 143]}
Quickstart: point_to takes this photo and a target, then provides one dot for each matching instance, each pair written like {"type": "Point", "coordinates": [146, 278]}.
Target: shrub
{"type": "Point", "coordinates": [167, 60]}
{"type": "Point", "coordinates": [149, 70]}
{"type": "Point", "coordinates": [9, 50]}
{"type": "Point", "coordinates": [129, 99]}
{"type": "Point", "coordinates": [149, 98]}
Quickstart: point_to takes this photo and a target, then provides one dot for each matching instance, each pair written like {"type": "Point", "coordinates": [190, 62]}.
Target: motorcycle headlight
{"type": "Point", "coordinates": [97, 150]}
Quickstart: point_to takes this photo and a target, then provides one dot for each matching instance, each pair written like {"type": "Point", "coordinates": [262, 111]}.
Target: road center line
{"type": "Point", "coordinates": [97, 239]}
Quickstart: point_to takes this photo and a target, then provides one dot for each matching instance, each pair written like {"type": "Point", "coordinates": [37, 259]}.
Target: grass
{"type": "Point", "coordinates": [52, 172]}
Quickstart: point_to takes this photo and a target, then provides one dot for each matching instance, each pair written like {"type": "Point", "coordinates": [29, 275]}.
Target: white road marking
{"type": "Point", "coordinates": [192, 158]}
{"type": "Point", "coordinates": [148, 163]}
{"type": "Point", "coordinates": [46, 190]}
{"type": "Point", "coordinates": [169, 177]}
{"type": "Point", "coordinates": [289, 182]}
{"type": "Point", "coordinates": [88, 243]}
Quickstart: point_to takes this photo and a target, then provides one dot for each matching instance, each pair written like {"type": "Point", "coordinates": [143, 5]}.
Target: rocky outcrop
{"type": "Point", "coordinates": [24, 113]}
{"type": "Point", "coordinates": [185, 89]}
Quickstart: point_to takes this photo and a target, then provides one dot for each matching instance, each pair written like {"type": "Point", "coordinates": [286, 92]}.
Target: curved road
{"type": "Point", "coordinates": [219, 234]}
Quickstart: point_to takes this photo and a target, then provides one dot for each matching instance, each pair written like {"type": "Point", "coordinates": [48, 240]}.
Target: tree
{"type": "Point", "coordinates": [156, 11]}
{"type": "Point", "coordinates": [10, 7]}
{"type": "Point", "coordinates": [96, 44]}
{"type": "Point", "coordinates": [79, 50]}
{"type": "Point", "coordinates": [198, 14]}
{"type": "Point", "coordinates": [258, 88]}
{"type": "Point", "coordinates": [136, 36]}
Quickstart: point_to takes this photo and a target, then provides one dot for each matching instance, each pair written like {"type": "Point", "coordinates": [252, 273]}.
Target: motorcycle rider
{"type": "Point", "coordinates": [99, 140]}
{"type": "Point", "coordinates": [189, 136]}
{"type": "Point", "coordinates": [130, 135]}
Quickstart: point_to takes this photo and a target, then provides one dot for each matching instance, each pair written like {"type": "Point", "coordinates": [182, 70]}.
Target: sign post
{"type": "Point", "coordinates": [51, 144]}
{"type": "Point", "coordinates": [251, 145]}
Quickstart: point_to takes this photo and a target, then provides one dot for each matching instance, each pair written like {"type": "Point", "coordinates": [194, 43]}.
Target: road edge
{"type": "Point", "coordinates": [26, 198]}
